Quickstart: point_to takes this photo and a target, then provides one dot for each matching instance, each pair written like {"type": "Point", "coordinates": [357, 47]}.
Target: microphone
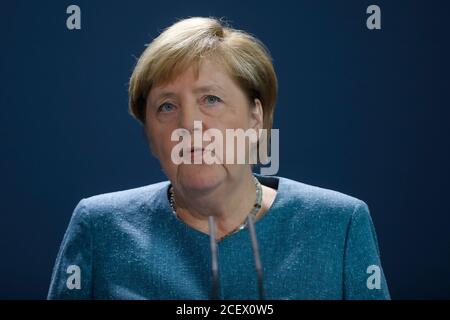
{"type": "Point", "coordinates": [214, 259]}
{"type": "Point", "coordinates": [258, 264]}
{"type": "Point", "coordinates": [215, 262]}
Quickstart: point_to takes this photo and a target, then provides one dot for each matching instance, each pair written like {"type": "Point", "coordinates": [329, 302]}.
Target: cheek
{"type": "Point", "coordinates": [154, 138]}
{"type": "Point", "coordinates": [162, 145]}
{"type": "Point", "coordinates": [238, 118]}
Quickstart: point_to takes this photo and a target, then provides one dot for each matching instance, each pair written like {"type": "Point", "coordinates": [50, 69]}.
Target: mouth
{"type": "Point", "coordinates": [196, 149]}
{"type": "Point", "coordinates": [192, 151]}
{"type": "Point", "coordinates": [197, 153]}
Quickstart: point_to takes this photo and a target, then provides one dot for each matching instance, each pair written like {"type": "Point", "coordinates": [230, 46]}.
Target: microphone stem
{"type": "Point", "coordinates": [258, 265]}
{"type": "Point", "coordinates": [214, 259]}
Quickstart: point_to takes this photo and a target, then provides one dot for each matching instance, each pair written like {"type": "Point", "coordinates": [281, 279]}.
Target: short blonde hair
{"type": "Point", "coordinates": [185, 43]}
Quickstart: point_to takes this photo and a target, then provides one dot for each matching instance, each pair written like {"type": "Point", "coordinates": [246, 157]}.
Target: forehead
{"type": "Point", "coordinates": [206, 75]}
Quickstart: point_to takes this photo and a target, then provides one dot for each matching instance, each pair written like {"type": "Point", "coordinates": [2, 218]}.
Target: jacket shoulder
{"type": "Point", "coordinates": [124, 201]}
{"type": "Point", "coordinates": [319, 200]}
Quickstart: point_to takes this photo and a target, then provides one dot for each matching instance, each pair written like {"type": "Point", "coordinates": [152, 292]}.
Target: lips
{"type": "Point", "coordinates": [196, 149]}
{"type": "Point", "coordinates": [192, 150]}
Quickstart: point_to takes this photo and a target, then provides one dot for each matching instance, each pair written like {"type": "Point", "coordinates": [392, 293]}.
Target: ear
{"type": "Point", "coordinates": [257, 115]}
{"type": "Point", "coordinates": [257, 124]}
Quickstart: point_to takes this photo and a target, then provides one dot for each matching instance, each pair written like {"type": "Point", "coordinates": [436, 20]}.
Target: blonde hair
{"type": "Point", "coordinates": [185, 43]}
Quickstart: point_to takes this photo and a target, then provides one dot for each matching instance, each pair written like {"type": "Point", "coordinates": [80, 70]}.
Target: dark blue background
{"type": "Point", "coordinates": [363, 112]}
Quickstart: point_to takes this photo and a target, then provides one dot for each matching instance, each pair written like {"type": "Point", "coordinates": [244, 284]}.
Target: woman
{"type": "Point", "coordinates": [186, 238]}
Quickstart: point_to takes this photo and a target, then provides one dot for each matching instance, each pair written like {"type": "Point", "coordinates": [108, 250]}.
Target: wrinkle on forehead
{"type": "Point", "coordinates": [204, 76]}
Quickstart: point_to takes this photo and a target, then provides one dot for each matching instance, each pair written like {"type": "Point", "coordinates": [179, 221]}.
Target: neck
{"type": "Point", "coordinates": [229, 203]}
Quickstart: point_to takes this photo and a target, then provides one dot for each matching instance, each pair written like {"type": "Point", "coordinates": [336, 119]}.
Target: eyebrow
{"type": "Point", "coordinates": [165, 94]}
{"type": "Point", "coordinates": [202, 89]}
{"type": "Point", "coordinates": [208, 88]}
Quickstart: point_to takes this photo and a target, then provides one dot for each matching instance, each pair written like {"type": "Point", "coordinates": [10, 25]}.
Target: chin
{"type": "Point", "coordinates": [200, 177]}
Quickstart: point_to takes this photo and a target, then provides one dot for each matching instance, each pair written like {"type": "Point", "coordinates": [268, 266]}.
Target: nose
{"type": "Point", "coordinates": [190, 112]}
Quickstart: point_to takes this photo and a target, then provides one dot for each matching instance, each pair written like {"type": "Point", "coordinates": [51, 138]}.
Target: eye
{"type": "Point", "coordinates": [211, 100]}
{"type": "Point", "coordinates": [166, 107]}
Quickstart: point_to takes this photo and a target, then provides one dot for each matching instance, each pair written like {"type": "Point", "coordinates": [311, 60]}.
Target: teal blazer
{"type": "Point", "coordinates": [314, 243]}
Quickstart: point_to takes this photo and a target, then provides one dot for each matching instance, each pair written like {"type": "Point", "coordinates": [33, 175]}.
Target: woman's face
{"type": "Point", "coordinates": [212, 98]}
